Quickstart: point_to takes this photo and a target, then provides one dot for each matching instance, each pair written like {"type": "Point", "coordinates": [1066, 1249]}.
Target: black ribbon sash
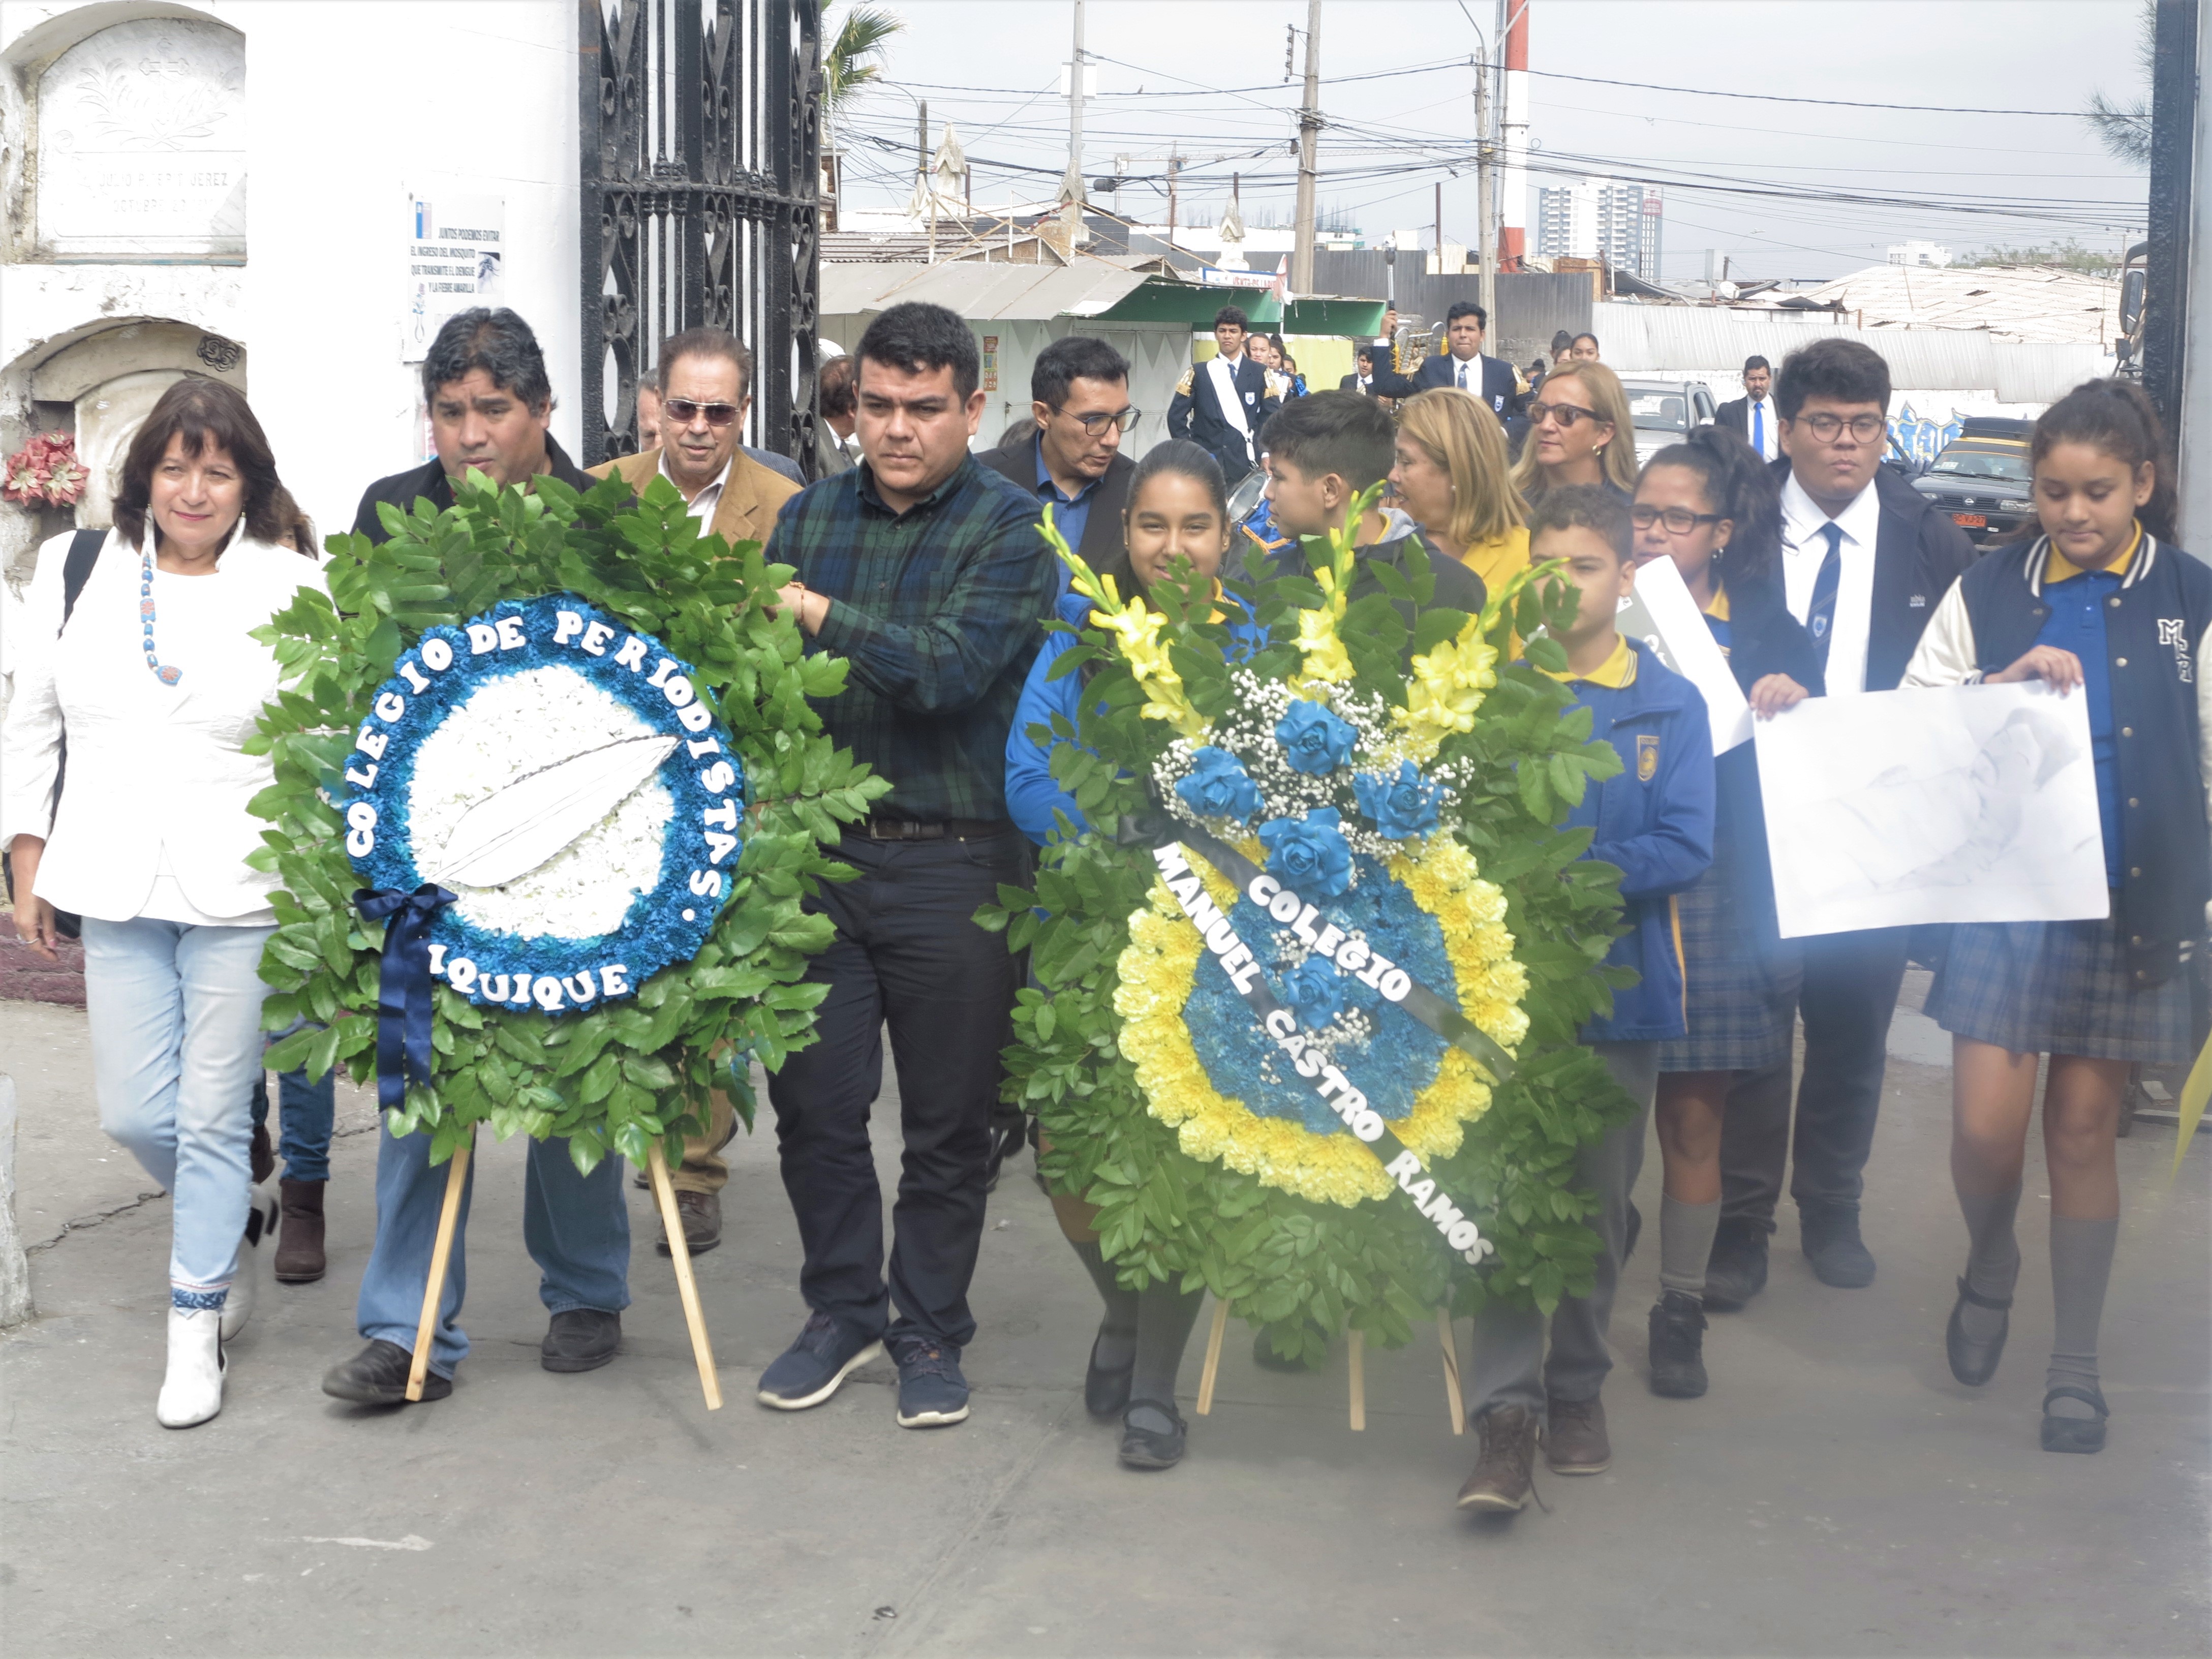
{"type": "Point", "coordinates": [1156, 830]}
{"type": "Point", "coordinates": [403, 995]}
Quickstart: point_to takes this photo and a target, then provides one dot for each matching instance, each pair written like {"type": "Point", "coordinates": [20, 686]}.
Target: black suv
{"type": "Point", "coordinates": [1982, 479]}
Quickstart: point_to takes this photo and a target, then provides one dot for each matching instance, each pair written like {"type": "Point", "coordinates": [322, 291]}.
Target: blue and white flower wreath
{"type": "Point", "coordinates": [558, 774]}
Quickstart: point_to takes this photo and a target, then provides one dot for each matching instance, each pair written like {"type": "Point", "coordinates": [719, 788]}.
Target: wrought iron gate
{"type": "Point", "coordinates": [700, 136]}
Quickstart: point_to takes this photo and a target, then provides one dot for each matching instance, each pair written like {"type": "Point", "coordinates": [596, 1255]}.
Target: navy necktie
{"type": "Point", "coordinates": [1821, 618]}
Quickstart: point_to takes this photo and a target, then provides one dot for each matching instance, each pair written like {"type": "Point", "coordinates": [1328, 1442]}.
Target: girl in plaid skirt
{"type": "Point", "coordinates": [2100, 604]}
{"type": "Point", "coordinates": [1710, 506]}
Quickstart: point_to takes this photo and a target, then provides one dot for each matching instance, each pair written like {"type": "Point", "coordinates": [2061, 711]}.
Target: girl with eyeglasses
{"type": "Point", "coordinates": [1580, 432]}
{"type": "Point", "coordinates": [1453, 477]}
{"type": "Point", "coordinates": [1710, 506]}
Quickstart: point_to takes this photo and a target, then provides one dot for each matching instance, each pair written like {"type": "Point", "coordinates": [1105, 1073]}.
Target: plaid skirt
{"type": "Point", "coordinates": [1740, 989]}
{"type": "Point", "coordinates": [2057, 988]}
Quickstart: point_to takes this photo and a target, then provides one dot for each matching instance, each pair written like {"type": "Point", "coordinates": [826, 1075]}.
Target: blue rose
{"type": "Point", "coordinates": [1313, 738]}
{"type": "Point", "coordinates": [1309, 854]}
{"type": "Point", "coordinates": [1315, 990]}
{"type": "Point", "coordinates": [1218, 787]}
{"type": "Point", "coordinates": [1400, 807]}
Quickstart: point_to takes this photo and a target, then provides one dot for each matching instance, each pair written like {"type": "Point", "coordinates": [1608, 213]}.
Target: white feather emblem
{"type": "Point", "coordinates": [531, 820]}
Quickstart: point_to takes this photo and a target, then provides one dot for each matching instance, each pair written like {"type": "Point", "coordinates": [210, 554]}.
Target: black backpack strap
{"type": "Point", "coordinates": [77, 569]}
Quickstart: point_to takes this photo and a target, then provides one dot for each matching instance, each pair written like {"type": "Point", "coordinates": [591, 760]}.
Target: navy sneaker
{"type": "Point", "coordinates": [932, 1392]}
{"type": "Point", "coordinates": [808, 1370]}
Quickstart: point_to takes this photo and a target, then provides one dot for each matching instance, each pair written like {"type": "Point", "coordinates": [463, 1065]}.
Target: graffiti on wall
{"type": "Point", "coordinates": [1920, 438]}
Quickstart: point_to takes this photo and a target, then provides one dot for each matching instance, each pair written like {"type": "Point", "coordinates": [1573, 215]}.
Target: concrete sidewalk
{"type": "Point", "coordinates": [1835, 1492]}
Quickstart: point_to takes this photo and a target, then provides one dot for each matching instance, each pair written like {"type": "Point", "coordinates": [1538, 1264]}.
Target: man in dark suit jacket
{"type": "Point", "coordinates": [1222, 405]}
{"type": "Point", "coordinates": [1866, 560]}
{"type": "Point", "coordinates": [492, 415]}
{"type": "Point", "coordinates": [1363, 380]}
{"type": "Point", "coordinates": [1071, 458]}
{"type": "Point", "coordinates": [1461, 365]}
{"type": "Point", "coordinates": [1752, 416]}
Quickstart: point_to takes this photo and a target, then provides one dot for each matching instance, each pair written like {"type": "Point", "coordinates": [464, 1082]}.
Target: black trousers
{"type": "Point", "coordinates": [907, 954]}
{"type": "Point", "coordinates": [1849, 994]}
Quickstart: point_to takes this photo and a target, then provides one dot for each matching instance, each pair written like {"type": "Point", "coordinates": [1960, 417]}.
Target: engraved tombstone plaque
{"type": "Point", "coordinates": [141, 145]}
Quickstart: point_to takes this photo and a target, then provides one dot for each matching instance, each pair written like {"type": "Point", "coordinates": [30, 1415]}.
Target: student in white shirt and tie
{"type": "Point", "coordinates": [1865, 560]}
{"type": "Point", "coordinates": [1751, 416]}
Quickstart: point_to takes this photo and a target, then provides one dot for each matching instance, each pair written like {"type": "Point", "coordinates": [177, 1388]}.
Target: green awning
{"type": "Point", "coordinates": [1328, 314]}
{"type": "Point", "coordinates": [1162, 300]}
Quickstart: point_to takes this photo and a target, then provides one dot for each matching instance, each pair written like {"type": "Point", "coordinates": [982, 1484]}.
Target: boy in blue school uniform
{"type": "Point", "coordinates": [1655, 821]}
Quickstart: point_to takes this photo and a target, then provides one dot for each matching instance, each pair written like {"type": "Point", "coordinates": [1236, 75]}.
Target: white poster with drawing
{"type": "Point", "coordinates": [456, 246]}
{"type": "Point", "coordinates": [1963, 803]}
{"type": "Point", "coordinates": [1661, 612]}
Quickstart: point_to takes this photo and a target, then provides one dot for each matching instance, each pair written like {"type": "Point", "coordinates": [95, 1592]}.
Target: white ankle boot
{"type": "Point", "coordinates": [260, 1224]}
{"type": "Point", "coordinates": [193, 1391]}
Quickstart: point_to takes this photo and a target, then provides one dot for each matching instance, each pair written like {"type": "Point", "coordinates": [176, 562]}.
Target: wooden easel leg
{"type": "Point", "coordinates": [1453, 1398]}
{"type": "Point", "coordinates": [449, 1215]}
{"type": "Point", "coordinates": [1213, 1359]}
{"type": "Point", "coordinates": [686, 1287]}
{"type": "Point", "coordinates": [1356, 1346]}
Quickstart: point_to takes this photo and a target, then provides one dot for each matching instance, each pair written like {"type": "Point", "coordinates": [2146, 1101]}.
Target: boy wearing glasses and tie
{"type": "Point", "coordinates": [1865, 559]}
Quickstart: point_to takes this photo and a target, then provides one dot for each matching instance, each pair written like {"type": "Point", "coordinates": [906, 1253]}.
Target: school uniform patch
{"type": "Point", "coordinates": [1647, 758]}
{"type": "Point", "coordinates": [2173, 633]}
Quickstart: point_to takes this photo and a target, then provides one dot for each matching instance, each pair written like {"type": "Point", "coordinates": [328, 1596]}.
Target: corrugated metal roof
{"type": "Point", "coordinates": [982, 293]}
{"type": "Point", "coordinates": [2037, 304]}
{"type": "Point", "coordinates": [1639, 339]}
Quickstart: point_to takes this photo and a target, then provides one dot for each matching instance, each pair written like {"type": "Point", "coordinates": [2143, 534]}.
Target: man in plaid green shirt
{"type": "Point", "coordinates": [925, 571]}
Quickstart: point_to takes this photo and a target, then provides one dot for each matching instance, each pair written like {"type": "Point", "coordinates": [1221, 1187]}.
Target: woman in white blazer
{"type": "Point", "coordinates": [150, 679]}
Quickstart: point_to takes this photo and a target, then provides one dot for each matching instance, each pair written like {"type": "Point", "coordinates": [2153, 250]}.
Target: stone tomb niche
{"type": "Point", "coordinates": [141, 145]}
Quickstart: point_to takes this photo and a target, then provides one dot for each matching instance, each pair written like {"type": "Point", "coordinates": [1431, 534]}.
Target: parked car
{"type": "Point", "coordinates": [1981, 477]}
{"type": "Point", "coordinates": [1665, 410]}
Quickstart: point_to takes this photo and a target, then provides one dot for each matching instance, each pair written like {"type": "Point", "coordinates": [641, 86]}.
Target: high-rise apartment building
{"type": "Point", "coordinates": [1600, 219]}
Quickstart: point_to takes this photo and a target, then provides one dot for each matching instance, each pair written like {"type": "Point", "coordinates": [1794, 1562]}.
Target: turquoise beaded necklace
{"type": "Point", "coordinates": [166, 675]}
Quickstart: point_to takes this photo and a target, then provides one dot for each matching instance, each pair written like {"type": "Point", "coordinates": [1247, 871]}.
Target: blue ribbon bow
{"type": "Point", "coordinates": [403, 996]}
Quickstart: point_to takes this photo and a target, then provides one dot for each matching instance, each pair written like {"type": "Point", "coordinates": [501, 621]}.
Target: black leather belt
{"type": "Point", "coordinates": [944, 830]}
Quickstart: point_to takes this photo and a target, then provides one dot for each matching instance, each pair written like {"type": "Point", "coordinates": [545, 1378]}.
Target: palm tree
{"type": "Point", "coordinates": [851, 61]}
{"type": "Point", "coordinates": [2123, 127]}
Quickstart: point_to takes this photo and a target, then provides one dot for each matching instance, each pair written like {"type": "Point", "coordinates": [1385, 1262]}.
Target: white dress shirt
{"type": "Point", "coordinates": [703, 504]}
{"type": "Point", "coordinates": [1804, 546]}
{"type": "Point", "coordinates": [153, 818]}
{"type": "Point", "coordinates": [1467, 373]}
{"type": "Point", "coordinates": [1759, 413]}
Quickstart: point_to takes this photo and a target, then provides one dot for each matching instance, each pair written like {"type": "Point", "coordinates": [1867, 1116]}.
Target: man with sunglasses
{"type": "Point", "coordinates": [1865, 560]}
{"type": "Point", "coordinates": [705, 384]}
{"type": "Point", "coordinates": [1080, 395]}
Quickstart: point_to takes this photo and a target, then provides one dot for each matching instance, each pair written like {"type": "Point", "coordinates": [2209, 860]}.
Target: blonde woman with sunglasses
{"type": "Point", "coordinates": [1580, 432]}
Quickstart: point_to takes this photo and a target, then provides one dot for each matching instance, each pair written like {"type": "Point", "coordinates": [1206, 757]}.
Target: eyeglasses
{"type": "Point", "coordinates": [1679, 520]}
{"type": "Point", "coordinates": [686, 411]}
{"type": "Point", "coordinates": [1864, 428]}
{"type": "Point", "coordinates": [1095, 424]}
{"type": "Point", "coordinates": [1566, 414]}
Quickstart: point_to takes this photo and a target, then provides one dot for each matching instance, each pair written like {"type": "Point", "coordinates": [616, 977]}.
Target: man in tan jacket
{"type": "Point", "coordinates": [706, 384]}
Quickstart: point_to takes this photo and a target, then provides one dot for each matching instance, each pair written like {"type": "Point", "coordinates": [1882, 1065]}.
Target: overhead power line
{"type": "Point", "coordinates": [1783, 97]}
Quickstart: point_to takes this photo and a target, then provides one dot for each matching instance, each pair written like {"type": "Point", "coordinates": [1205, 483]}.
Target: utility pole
{"type": "Point", "coordinates": [1071, 187]}
{"type": "Point", "coordinates": [1486, 231]}
{"type": "Point", "coordinates": [921, 143]}
{"type": "Point", "coordinates": [1512, 241]}
{"type": "Point", "coordinates": [1302, 254]}
{"type": "Point", "coordinates": [1174, 166]}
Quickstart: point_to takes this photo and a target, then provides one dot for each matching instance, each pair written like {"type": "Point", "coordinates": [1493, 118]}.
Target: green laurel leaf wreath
{"type": "Point", "coordinates": [620, 1074]}
{"type": "Point", "coordinates": [1307, 1270]}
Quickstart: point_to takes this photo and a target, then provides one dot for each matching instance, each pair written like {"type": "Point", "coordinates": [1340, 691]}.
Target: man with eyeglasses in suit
{"type": "Point", "coordinates": [1073, 459]}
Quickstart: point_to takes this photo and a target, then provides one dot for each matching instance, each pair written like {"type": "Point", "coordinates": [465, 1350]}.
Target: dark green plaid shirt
{"type": "Point", "coordinates": [939, 611]}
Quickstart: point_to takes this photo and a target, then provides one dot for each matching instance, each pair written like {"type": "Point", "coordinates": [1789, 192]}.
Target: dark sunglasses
{"type": "Point", "coordinates": [687, 411]}
{"type": "Point", "coordinates": [1566, 414]}
{"type": "Point", "coordinates": [1679, 520]}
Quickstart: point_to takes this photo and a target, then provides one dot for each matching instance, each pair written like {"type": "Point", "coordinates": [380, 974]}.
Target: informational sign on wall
{"type": "Point", "coordinates": [990, 362]}
{"type": "Point", "coordinates": [456, 247]}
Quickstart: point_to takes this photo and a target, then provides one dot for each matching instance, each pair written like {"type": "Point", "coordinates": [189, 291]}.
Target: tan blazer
{"type": "Point", "coordinates": [746, 512]}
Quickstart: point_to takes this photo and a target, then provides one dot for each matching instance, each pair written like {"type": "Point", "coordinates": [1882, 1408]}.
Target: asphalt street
{"type": "Point", "coordinates": [1835, 1492]}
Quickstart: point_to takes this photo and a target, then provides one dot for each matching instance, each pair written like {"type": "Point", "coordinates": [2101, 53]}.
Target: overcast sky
{"type": "Point", "coordinates": [993, 66]}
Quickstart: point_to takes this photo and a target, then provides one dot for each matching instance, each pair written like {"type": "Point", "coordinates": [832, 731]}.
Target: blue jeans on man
{"type": "Point", "coordinates": [306, 1113]}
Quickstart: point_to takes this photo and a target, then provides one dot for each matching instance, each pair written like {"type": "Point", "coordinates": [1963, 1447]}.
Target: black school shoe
{"type": "Point", "coordinates": [1144, 1448]}
{"type": "Point", "coordinates": [1678, 1356]}
{"type": "Point", "coordinates": [1975, 1363]}
{"type": "Point", "coordinates": [1832, 1244]}
{"type": "Point", "coordinates": [377, 1375]}
{"type": "Point", "coordinates": [2075, 1434]}
{"type": "Point", "coordinates": [810, 1370]}
{"type": "Point", "coordinates": [1737, 1269]}
{"type": "Point", "coordinates": [581, 1340]}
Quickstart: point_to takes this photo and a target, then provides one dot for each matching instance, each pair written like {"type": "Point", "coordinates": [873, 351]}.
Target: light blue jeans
{"type": "Point", "coordinates": [576, 1228]}
{"type": "Point", "coordinates": [175, 1017]}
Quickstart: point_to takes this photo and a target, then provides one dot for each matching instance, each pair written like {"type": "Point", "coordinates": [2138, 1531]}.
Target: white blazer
{"type": "Point", "coordinates": [155, 772]}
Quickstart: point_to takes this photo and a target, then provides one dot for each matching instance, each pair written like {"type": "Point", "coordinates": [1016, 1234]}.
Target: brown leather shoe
{"type": "Point", "coordinates": [1504, 1470]}
{"type": "Point", "coordinates": [1574, 1436]}
{"type": "Point", "coordinates": [701, 1216]}
{"type": "Point", "coordinates": [300, 1242]}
